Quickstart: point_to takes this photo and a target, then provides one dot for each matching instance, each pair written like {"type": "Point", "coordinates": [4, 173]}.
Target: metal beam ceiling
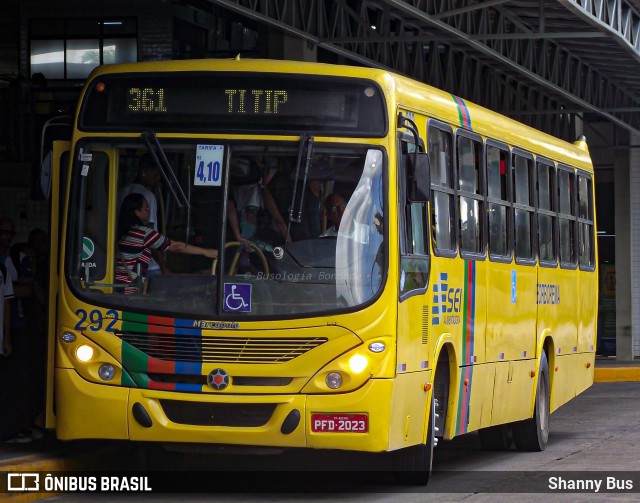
{"type": "Point", "coordinates": [543, 62]}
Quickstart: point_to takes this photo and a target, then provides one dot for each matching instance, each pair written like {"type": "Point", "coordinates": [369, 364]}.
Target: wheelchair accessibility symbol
{"type": "Point", "coordinates": [237, 297]}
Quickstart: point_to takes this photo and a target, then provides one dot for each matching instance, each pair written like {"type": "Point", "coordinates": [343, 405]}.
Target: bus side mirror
{"type": "Point", "coordinates": [420, 176]}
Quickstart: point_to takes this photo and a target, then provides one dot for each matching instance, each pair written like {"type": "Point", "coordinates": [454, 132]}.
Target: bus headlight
{"type": "Point", "coordinates": [357, 363]}
{"type": "Point", "coordinates": [333, 380]}
{"type": "Point", "coordinates": [106, 372]}
{"type": "Point", "coordinates": [351, 369]}
{"type": "Point", "coordinates": [84, 353]}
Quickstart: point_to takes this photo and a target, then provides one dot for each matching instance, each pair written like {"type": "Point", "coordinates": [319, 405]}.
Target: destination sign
{"type": "Point", "coordinates": [231, 102]}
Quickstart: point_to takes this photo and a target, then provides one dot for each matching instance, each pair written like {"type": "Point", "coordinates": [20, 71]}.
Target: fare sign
{"type": "Point", "coordinates": [208, 165]}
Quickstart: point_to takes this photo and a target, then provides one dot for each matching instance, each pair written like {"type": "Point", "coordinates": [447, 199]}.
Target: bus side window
{"type": "Point", "coordinates": [585, 222]}
{"type": "Point", "coordinates": [498, 202]}
{"type": "Point", "coordinates": [522, 207]}
{"type": "Point", "coordinates": [470, 198]}
{"type": "Point", "coordinates": [414, 226]}
{"type": "Point", "coordinates": [546, 213]}
{"type": "Point", "coordinates": [442, 191]}
{"type": "Point", "coordinates": [566, 217]}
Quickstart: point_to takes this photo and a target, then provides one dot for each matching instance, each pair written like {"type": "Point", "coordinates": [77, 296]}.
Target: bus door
{"type": "Point", "coordinates": [55, 169]}
{"type": "Point", "coordinates": [413, 325]}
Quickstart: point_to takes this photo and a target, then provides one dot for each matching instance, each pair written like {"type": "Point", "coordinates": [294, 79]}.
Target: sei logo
{"type": "Point", "coordinates": [447, 302]}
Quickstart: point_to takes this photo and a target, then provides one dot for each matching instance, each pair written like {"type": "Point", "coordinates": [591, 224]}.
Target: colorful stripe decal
{"type": "Point", "coordinates": [469, 311]}
{"type": "Point", "coordinates": [463, 112]}
{"type": "Point", "coordinates": [161, 325]}
{"type": "Point", "coordinates": [139, 365]}
{"type": "Point", "coordinates": [143, 381]}
{"type": "Point", "coordinates": [468, 336]}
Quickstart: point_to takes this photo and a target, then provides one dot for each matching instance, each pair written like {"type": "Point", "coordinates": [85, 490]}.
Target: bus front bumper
{"type": "Point", "coordinates": [90, 410]}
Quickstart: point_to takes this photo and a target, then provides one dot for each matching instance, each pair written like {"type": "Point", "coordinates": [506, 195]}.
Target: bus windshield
{"type": "Point", "coordinates": [282, 252]}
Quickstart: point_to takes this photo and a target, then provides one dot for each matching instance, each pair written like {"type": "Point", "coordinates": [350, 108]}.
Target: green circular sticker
{"type": "Point", "coordinates": [87, 248]}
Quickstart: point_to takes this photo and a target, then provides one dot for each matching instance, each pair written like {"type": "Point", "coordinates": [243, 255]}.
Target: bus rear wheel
{"type": "Point", "coordinates": [412, 465]}
{"type": "Point", "coordinates": [532, 434]}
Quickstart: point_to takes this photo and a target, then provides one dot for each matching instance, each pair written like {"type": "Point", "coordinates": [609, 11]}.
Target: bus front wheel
{"type": "Point", "coordinates": [532, 434]}
{"type": "Point", "coordinates": [412, 465]}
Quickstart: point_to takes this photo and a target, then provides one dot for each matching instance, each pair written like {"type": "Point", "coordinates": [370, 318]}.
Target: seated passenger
{"type": "Point", "coordinates": [136, 240]}
{"type": "Point", "coordinates": [334, 205]}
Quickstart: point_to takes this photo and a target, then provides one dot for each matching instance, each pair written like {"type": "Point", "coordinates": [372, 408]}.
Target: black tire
{"type": "Point", "coordinates": [532, 434]}
{"type": "Point", "coordinates": [496, 438]}
{"type": "Point", "coordinates": [412, 465]}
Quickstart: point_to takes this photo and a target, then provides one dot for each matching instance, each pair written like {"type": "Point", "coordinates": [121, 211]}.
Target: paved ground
{"type": "Point", "coordinates": [48, 455]}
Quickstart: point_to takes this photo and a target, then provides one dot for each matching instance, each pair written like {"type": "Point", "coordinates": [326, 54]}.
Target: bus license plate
{"type": "Point", "coordinates": [339, 423]}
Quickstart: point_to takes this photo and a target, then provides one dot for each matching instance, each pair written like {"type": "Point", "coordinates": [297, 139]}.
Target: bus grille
{"type": "Point", "coordinates": [186, 348]}
{"type": "Point", "coordinates": [218, 414]}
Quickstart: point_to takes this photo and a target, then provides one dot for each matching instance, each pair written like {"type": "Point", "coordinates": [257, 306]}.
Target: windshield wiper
{"type": "Point", "coordinates": [306, 145]}
{"type": "Point", "coordinates": [169, 177]}
{"type": "Point", "coordinates": [166, 170]}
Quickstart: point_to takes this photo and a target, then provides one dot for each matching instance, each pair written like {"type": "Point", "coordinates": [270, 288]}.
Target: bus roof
{"type": "Point", "coordinates": [488, 123]}
{"type": "Point", "coordinates": [409, 93]}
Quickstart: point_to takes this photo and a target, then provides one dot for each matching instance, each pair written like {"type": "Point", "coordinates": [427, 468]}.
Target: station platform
{"type": "Point", "coordinates": [49, 455]}
{"type": "Point", "coordinates": [609, 369]}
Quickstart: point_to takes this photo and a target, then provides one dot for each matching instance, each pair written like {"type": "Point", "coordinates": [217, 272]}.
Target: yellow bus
{"type": "Point", "coordinates": [395, 264]}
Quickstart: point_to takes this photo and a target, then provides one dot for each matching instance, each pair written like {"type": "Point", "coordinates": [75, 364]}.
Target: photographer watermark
{"type": "Point", "coordinates": [296, 277]}
{"type": "Point", "coordinates": [37, 482]}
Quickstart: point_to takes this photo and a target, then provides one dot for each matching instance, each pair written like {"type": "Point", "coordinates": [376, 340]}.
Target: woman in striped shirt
{"type": "Point", "coordinates": [136, 240]}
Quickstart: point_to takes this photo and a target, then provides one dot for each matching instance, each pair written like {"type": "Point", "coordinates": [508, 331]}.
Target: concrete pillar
{"type": "Point", "coordinates": [299, 50]}
{"type": "Point", "coordinates": [632, 348]}
{"type": "Point", "coordinates": [627, 261]}
{"type": "Point", "coordinates": [579, 125]}
{"type": "Point", "coordinates": [281, 45]}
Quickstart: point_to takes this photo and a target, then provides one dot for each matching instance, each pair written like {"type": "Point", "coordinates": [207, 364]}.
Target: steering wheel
{"type": "Point", "coordinates": [236, 257]}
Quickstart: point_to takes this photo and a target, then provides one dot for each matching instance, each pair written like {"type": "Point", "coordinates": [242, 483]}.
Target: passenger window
{"type": "Point", "coordinates": [523, 209]}
{"type": "Point", "coordinates": [470, 200]}
{"type": "Point", "coordinates": [442, 193]}
{"type": "Point", "coordinates": [585, 222]}
{"type": "Point", "coordinates": [566, 218]}
{"type": "Point", "coordinates": [414, 225]}
{"type": "Point", "coordinates": [498, 202]}
{"type": "Point", "coordinates": [546, 214]}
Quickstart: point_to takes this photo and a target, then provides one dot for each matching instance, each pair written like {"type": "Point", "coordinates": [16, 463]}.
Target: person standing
{"type": "Point", "coordinates": [146, 183]}
{"type": "Point", "coordinates": [33, 269]}
{"type": "Point", "coordinates": [23, 291]}
{"type": "Point", "coordinates": [136, 239]}
{"type": "Point", "coordinates": [7, 231]}
{"type": "Point", "coordinates": [6, 293]}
